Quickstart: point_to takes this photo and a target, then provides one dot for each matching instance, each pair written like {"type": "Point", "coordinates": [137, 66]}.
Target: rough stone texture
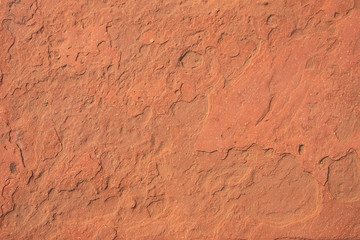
{"type": "Point", "coordinates": [201, 119]}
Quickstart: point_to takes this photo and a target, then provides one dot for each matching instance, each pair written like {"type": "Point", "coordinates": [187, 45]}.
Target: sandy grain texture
{"type": "Point", "coordinates": [179, 119]}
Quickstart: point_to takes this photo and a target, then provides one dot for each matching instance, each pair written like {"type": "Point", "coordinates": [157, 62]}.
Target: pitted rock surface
{"type": "Point", "coordinates": [201, 119]}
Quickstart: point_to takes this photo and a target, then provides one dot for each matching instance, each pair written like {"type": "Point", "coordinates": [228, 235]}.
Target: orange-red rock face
{"type": "Point", "coordinates": [174, 119]}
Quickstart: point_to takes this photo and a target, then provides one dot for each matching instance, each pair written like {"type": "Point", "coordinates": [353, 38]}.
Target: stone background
{"type": "Point", "coordinates": [180, 119]}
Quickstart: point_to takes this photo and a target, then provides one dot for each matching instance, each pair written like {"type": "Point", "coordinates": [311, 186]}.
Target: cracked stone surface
{"type": "Point", "coordinates": [179, 119]}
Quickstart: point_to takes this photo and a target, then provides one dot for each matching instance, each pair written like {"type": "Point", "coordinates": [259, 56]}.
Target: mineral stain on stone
{"type": "Point", "coordinates": [13, 168]}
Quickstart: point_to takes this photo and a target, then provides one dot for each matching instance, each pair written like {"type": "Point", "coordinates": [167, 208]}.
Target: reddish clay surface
{"type": "Point", "coordinates": [179, 119]}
